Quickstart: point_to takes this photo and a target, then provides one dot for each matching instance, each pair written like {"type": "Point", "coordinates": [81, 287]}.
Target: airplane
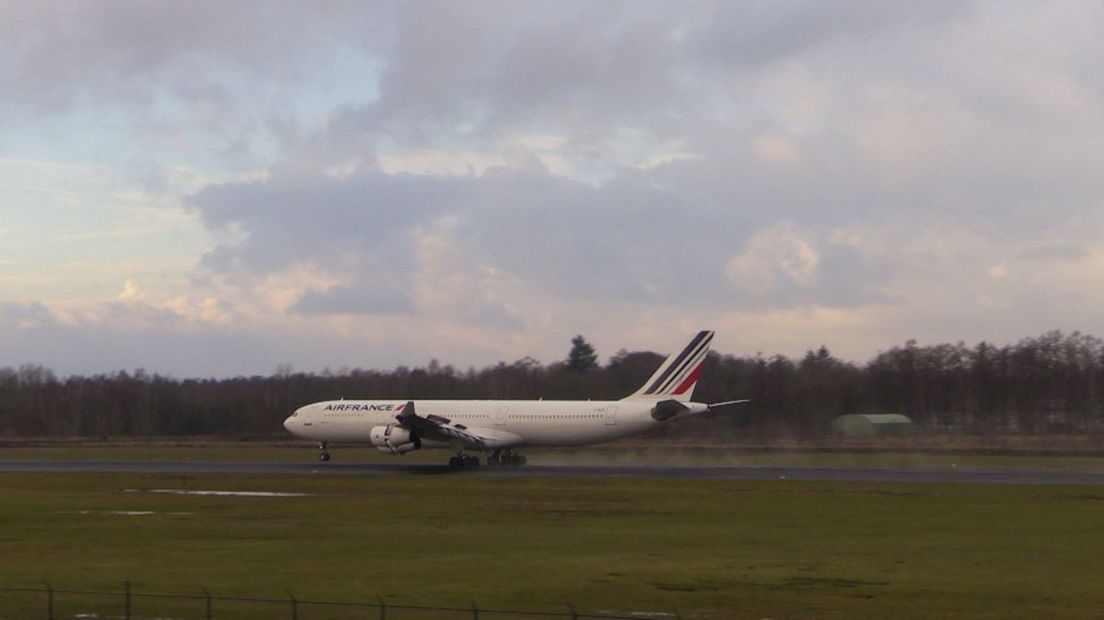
{"type": "Point", "coordinates": [500, 426]}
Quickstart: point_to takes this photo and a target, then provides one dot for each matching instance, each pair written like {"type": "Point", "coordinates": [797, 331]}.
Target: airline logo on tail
{"type": "Point", "coordinates": [679, 373]}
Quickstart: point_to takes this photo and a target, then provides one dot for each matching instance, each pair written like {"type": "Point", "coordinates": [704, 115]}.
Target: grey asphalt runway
{"type": "Point", "coordinates": [840, 474]}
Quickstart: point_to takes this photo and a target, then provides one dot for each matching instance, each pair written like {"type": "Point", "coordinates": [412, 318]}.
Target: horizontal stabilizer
{"type": "Point", "coordinates": [727, 403]}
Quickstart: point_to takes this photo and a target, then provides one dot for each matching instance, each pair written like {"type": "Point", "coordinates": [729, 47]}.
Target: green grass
{"type": "Point", "coordinates": [710, 549]}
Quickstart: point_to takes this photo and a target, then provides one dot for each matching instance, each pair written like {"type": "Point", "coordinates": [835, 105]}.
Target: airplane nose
{"type": "Point", "coordinates": [294, 422]}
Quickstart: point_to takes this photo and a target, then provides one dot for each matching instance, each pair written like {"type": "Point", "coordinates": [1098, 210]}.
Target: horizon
{"type": "Point", "coordinates": [290, 369]}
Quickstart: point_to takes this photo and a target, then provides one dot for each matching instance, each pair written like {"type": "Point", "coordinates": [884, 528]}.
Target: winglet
{"type": "Point", "coordinates": [407, 415]}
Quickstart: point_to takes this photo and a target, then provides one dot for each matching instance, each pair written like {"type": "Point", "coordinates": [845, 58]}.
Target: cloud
{"type": "Point", "coordinates": [123, 49]}
{"type": "Point", "coordinates": [477, 178]}
{"type": "Point", "coordinates": [1056, 252]}
{"type": "Point", "coordinates": [131, 292]}
{"type": "Point", "coordinates": [433, 243]}
{"type": "Point", "coordinates": [349, 300]}
{"type": "Point", "coordinates": [771, 258]}
{"type": "Point", "coordinates": [768, 159]}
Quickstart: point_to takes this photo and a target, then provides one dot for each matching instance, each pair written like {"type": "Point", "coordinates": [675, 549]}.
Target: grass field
{"type": "Point", "coordinates": [709, 549]}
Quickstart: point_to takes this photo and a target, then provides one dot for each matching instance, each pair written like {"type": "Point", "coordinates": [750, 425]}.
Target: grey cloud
{"type": "Point", "coordinates": [623, 241]}
{"type": "Point", "coordinates": [130, 53]}
{"type": "Point", "coordinates": [24, 314]}
{"type": "Point", "coordinates": [365, 299]}
{"type": "Point", "coordinates": [286, 220]}
{"type": "Point", "coordinates": [133, 336]}
{"type": "Point", "coordinates": [96, 348]}
{"type": "Point", "coordinates": [754, 34]}
{"type": "Point", "coordinates": [970, 127]}
{"type": "Point", "coordinates": [936, 161]}
{"type": "Point", "coordinates": [592, 68]}
{"type": "Point", "coordinates": [1054, 252]}
{"type": "Point", "coordinates": [581, 73]}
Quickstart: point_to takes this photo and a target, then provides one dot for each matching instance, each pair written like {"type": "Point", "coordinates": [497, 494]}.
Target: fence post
{"type": "Point", "coordinates": [49, 600]}
{"type": "Point", "coordinates": [475, 610]}
{"type": "Point", "coordinates": [126, 596]}
{"type": "Point", "coordinates": [207, 597]}
{"type": "Point", "coordinates": [571, 608]}
{"type": "Point", "coordinates": [383, 607]}
{"type": "Point", "coordinates": [294, 606]}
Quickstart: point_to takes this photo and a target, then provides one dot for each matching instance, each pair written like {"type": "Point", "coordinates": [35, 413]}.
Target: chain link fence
{"type": "Point", "coordinates": [49, 603]}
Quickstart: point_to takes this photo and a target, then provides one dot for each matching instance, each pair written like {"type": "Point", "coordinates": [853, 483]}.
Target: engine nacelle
{"type": "Point", "coordinates": [393, 439]}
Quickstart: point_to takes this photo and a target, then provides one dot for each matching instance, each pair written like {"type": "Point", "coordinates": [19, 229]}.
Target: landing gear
{"type": "Point", "coordinates": [506, 458]}
{"type": "Point", "coordinates": [462, 461]}
{"type": "Point", "coordinates": [323, 455]}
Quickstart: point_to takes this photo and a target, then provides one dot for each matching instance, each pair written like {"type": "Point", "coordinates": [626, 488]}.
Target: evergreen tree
{"type": "Point", "coordinates": [582, 357]}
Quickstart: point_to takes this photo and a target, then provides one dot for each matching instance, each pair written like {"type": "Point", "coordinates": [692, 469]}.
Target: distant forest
{"type": "Point", "coordinates": [1053, 383]}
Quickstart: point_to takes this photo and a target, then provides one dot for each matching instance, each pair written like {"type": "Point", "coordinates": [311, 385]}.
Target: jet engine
{"type": "Point", "coordinates": [393, 439]}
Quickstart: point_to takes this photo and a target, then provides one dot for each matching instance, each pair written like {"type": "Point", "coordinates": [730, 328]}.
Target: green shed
{"type": "Point", "coordinates": [872, 425]}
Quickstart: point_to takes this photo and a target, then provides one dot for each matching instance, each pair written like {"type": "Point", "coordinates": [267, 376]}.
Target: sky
{"type": "Point", "coordinates": [206, 189]}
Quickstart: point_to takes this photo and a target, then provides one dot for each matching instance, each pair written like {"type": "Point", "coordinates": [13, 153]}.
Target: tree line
{"type": "Point", "coordinates": [1053, 383]}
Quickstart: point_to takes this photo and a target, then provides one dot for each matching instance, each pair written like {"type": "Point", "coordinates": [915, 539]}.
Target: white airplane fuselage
{"type": "Point", "coordinates": [502, 423]}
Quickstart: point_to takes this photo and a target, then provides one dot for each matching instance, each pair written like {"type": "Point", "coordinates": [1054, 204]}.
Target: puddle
{"type": "Point", "coordinates": [639, 614]}
{"type": "Point", "coordinates": [98, 617]}
{"type": "Point", "coordinates": [124, 513]}
{"type": "Point", "coordinates": [220, 493]}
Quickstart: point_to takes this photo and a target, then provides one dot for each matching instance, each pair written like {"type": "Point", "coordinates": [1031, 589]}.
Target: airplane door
{"type": "Point", "coordinates": [500, 416]}
{"type": "Point", "coordinates": [611, 416]}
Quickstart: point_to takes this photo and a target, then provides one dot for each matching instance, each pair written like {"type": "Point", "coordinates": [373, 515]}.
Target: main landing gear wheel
{"type": "Point", "coordinates": [323, 455]}
{"type": "Point", "coordinates": [461, 461]}
{"type": "Point", "coordinates": [506, 458]}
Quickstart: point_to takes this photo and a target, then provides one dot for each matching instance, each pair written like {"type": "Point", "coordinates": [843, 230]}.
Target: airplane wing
{"type": "Point", "coordinates": [435, 427]}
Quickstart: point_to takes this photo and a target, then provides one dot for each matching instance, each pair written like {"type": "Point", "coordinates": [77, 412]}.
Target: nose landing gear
{"type": "Point", "coordinates": [323, 455]}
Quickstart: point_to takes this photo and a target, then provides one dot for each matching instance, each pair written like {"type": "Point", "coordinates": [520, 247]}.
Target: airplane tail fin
{"type": "Point", "coordinates": [676, 377]}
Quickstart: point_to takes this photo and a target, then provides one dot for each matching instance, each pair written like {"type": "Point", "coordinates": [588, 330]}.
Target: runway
{"type": "Point", "coordinates": [693, 472]}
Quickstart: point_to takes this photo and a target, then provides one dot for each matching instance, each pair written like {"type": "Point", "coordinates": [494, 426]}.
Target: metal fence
{"type": "Point", "coordinates": [27, 603]}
